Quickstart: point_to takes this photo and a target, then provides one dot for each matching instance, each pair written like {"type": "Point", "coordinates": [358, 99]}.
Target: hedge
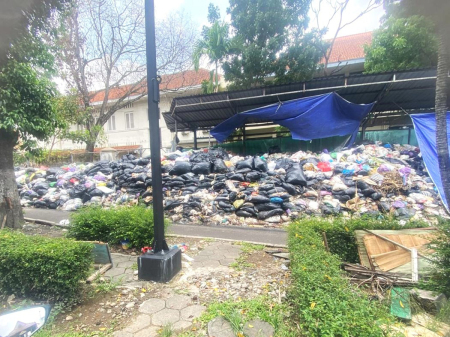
{"type": "Point", "coordinates": [114, 225]}
{"type": "Point", "coordinates": [340, 232]}
{"type": "Point", "coordinates": [324, 302]}
{"type": "Point", "coordinates": [42, 268]}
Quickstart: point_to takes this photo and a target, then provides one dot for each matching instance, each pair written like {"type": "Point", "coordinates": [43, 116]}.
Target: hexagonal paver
{"type": "Point", "coordinates": [166, 316]}
{"type": "Point", "coordinates": [196, 265]}
{"type": "Point", "coordinates": [202, 258]}
{"type": "Point", "coordinates": [206, 252]}
{"type": "Point", "coordinates": [151, 331]}
{"type": "Point", "coordinates": [140, 322]}
{"type": "Point", "coordinates": [152, 305]}
{"type": "Point", "coordinates": [192, 312]}
{"type": "Point", "coordinates": [178, 302]}
{"type": "Point", "coordinates": [126, 264]}
{"type": "Point", "coordinates": [220, 327]}
{"type": "Point", "coordinates": [258, 328]}
{"type": "Point", "coordinates": [181, 325]}
{"type": "Point", "coordinates": [122, 334]}
{"type": "Point", "coordinates": [226, 262]}
{"type": "Point", "coordinates": [115, 272]}
{"type": "Point", "coordinates": [211, 264]}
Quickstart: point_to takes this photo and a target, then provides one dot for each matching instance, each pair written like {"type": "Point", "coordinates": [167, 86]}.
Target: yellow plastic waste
{"type": "Point", "coordinates": [238, 203]}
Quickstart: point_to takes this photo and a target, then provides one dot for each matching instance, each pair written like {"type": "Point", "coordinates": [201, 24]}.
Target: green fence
{"type": "Point", "coordinates": [287, 144]}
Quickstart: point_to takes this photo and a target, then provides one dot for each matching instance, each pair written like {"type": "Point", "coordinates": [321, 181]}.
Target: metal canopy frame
{"type": "Point", "coordinates": [394, 92]}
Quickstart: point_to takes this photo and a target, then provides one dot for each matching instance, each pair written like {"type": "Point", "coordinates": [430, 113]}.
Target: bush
{"type": "Point", "coordinates": [340, 232]}
{"type": "Point", "coordinates": [42, 268]}
{"type": "Point", "coordinates": [440, 278]}
{"type": "Point", "coordinates": [325, 303]}
{"type": "Point", "coordinates": [114, 225]}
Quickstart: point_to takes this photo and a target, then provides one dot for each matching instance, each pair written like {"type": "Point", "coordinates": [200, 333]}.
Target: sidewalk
{"type": "Point", "coordinates": [257, 235]}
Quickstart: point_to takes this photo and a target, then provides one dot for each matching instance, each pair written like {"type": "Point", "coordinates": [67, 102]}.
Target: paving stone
{"type": "Point", "coordinates": [196, 265]}
{"type": "Point", "coordinates": [258, 328]}
{"type": "Point", "coordinates": [126, 264]}
{"type": "Point", "coordinates": [152, 305]}
{"type": "Point", "coordinates": [226, 262]}
{"type": "Point", "coordinates": [120, 258]}
{"type": "Point", "coordinates": [181, 325]}
{"type": "Point", "coordinates": [202, 258]}
{"type": "Point", "coordinates": [178, 302]}
{"type": "Point", "coordinates": [140, 322]}
{"type": "Point", "coordinates": [206, 252]}
{"type": "Point", "coordinates": [151, 331]}
{"type": "Point", "coordinates": [122, 334]}
{"type": "Point", "coordinates": [115, 272]}
{"type": "Point", "coordinates": [219, 327]}
{"type": "Point", "coordinates": [211, 264]}
{"type": "Point", "coordinates": [166, 316]}
{"type": "Point", "coordinates": [192, 312]}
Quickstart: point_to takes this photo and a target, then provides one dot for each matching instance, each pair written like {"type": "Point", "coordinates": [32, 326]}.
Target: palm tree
{"type": "Point", "coordinates": [438, 11]}
{"type": "Point", "coordinates": [215, 45]}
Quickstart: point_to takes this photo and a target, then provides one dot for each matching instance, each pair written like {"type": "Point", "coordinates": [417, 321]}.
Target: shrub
{"type": "Point", "coordinates": [440, 278]}
{"type": "Point", "coordinates": [325, 303]}
{"type": "Point", "coordinates": [114, 225]}
{"type": "Point", "coordinates": [340, 232]}
{"type": "Point", "coordinates": [42, 268]}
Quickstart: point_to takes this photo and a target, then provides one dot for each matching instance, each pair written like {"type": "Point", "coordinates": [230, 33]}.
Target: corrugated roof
{"type": "Point", "coordinates": [408, 90]}
{"type": "Point", "coordinates": [175, 81]}
{"type": "Point", "coordinates": [350, 47]}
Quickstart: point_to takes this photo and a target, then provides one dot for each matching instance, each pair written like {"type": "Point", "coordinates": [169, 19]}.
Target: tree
{"type": "Point", "coordinates": [26, 107]}
{"type": "Point", "coordinates": [338, 9]}
{"type": "Point", "coordinates": [402, 43]}
{"type": "Point", "coordinates": [103, 52]}
{"type": "Point", "coordinates": [268, 31]}
{"type": "Point", "coordinates": [215, 45]}
{"type": "Point", "coordinates": [437, 12]}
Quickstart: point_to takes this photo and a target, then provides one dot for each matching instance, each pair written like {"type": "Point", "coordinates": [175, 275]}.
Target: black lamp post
{"type": "Point", "coordinates": [162, 264]}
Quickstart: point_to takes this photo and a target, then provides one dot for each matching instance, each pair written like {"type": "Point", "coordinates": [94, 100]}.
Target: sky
{"type": "Point", "coordinates": [198, 10]}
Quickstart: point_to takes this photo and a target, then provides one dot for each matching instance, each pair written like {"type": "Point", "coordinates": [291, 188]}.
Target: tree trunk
{"type": "Point", "coordinates": [441, 112]}
{"type": "Point", "coordinates": [11, 214]}
{"type": "Point", "coordinates": [90, 151]}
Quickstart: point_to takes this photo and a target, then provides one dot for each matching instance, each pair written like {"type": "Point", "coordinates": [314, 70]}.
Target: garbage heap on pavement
{"type": "Point", "coordinates": [212, 187]}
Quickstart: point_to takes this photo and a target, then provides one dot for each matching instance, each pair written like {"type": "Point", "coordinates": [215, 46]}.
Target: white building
{"type": "Point", "coordinates": [128, 128]}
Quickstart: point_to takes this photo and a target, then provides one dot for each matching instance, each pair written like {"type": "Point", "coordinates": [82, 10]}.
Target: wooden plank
{"type": "Point", "coordinates": [99, 272]}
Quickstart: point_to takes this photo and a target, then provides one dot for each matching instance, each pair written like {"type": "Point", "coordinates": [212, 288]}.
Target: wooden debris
{"type": "Point", "coordinates": [99, 272]}
{"type": "Point", "coordinates": [362, 275]}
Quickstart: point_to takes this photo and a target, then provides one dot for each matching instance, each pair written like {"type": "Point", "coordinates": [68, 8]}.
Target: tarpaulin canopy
{"type": "Point", "coordinates": [307, 118]}
{"type": "Point", "coordinates": [425, 126]}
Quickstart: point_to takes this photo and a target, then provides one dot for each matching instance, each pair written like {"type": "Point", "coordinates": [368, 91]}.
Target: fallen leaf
{"type": "Point", "coordinates": [250, 326]}
{"type": "Point", "coordinates": [102, 329]}
{"type": "Point", "coordinates": [401, 304]}
{"type": "Point", "coordinates": [313, 304]}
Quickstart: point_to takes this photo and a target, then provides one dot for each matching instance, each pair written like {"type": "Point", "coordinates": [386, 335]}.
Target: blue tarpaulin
{"type": "Point", "coordinates": [307, 118]}
{"type": "Point", "coordinates": [425, 126]}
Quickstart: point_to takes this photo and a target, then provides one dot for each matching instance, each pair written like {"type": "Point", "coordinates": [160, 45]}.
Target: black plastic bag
{"type": "Point", "coordinates": [376, 196]}
{"type": "Point", "coordinates": [237, 176]}
{"type": "Point", "coordinates": [260, 164]}
{"type": "Point", "coordinates": [258, 199]}
{"type": "Point", "coordinates": [253, 176]}
{"type": "Point", "coordinates": [202, 168]}
{"type": "Point", "coordinates": [180, 167]}
{"type": "Point", "coordinates": [245, 164]}
{"type": "Point", "coordinates": [268, 214]}
{"type": "Point", "coordinates": [282, 163]}
{"type": "Point", "coordinates": [267, 207]}
{"type": "Point", "coordinates": [219, 166]}
{"type": "Point", "coordinates": [295, 176]}
{"type": "Point", "coordinates": [289, 188]}
{"type": "Point", "coordinates": [171, 204]}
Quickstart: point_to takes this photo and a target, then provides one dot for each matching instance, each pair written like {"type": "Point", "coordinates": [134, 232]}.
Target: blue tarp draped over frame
{"type": "Point", "coordinates": [307, 118]}
{"type": "Point", "coordinates": [425, 126]}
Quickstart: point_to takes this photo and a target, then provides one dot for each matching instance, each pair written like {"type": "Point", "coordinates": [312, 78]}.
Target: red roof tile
{"type": "Point", "coordinates": [176, 81]}
{"type": "Point", "coordinates": [349, 47]}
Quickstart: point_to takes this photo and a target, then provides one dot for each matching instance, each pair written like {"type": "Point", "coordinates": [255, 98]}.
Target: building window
{"type": "Point", "coordinates": [112, 123]}
{"type": "Point", "coordinates": [129, 119]}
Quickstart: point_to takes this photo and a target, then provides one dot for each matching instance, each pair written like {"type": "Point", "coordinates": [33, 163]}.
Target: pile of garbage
{"type": "Point", "coordinates": [210, 186]}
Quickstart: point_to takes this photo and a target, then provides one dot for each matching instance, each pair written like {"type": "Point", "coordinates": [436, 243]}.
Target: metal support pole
{"type": "Point", "coordinates": [409, 135]}
{"type": "Point", "coordinates": [195, 139]}
{"type": "Point", "coordinates": [243, 140]}
{"type": "Point", "coordinates": [159, 243]}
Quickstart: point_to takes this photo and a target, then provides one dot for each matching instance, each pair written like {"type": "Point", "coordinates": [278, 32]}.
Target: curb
{"type": "Point", "coordinates": [50, 223]}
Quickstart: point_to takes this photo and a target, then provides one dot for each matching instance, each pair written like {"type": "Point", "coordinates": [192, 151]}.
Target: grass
{"type": "Point", "coordinates": [166, 331]}
{"type": "Point", "coordinates": [238, 312]}
{"type": "Point", "coordinates": [247, 248]}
